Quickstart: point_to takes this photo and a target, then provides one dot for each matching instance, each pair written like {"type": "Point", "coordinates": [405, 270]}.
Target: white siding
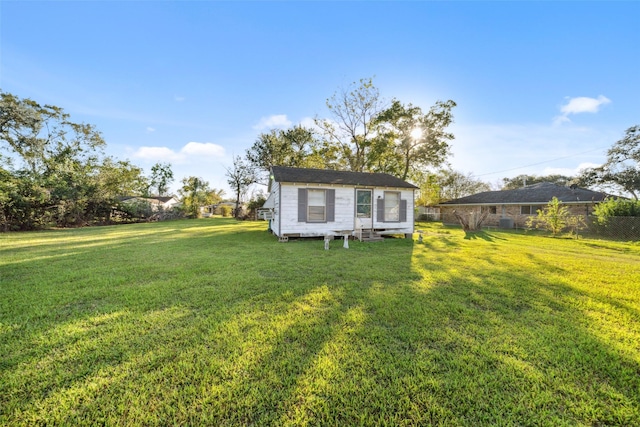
{"type": "Point", "coordinates": [405, 227]}
{"type": "Point", "coordinates": [286, 211]}
{"type": "Point", "coordinates": [344, 212]}
{"type": "Point", "coordinates": [275, 193]}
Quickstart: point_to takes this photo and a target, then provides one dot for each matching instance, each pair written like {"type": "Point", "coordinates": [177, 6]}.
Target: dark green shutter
{"type": "Point", "coordinates": [331, 205]}
{"type": "Point", "coordinates": [302, 205]}
{"type": "Point", "coordinates": [403, 211]}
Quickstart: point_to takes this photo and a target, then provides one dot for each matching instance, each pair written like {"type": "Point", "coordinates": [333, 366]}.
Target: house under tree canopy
{"type": "Point", "coordinates": [317, 202]}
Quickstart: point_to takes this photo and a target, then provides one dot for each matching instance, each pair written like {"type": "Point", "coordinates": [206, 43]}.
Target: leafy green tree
{"type": "Point", "coordinates": [295, 147]}
{"type": "Point", "coordinates": [195, 193]}
{"type": "Point", "coordinates": [52, 162]}
{"type": "Point", "coordinates": [215, 196]}
{"type": "Point", "coordinates": [408, 140]}
{"type": "Point", "coordinates": [23, 202]}
{"type": "Point", "coordinates": [622, 168]}
{"type": "Point", "coordinates": [429, 194]}
{"type": "Point", "coordinates": [161, 178]}
{"type": "Point", "coordinates": [39, 136]}
{"type": "Point", "coordinates": [256, 202]}
{"type": "Point", "coordinates": [111, 181]}
{"type": "Point", "coordinates": [617, 218]}
{"type": "Point", "coordinates": [240, 177]}
{"type": "Point", "coordinates": [616, 207]}
{"type": "Point", "coordinates": [455, 184]}
{"type": "Point", "coordinates": [445, 184]}
{"type": "Point", "coordinates": [555, 217]}
{"type": "Point", "coordinates": [349, 131]}
{"type": "Point", "coordinates": [117, 178]}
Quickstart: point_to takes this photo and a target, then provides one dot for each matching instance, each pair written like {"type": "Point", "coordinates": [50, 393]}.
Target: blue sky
{"type": "Point", "coordinates": [541, 87]}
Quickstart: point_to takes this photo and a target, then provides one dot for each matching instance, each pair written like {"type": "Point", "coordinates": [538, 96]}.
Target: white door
{"type": "Point", "coordinates": [364, 209]}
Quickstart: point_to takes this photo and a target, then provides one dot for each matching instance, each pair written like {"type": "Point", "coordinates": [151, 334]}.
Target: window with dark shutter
{"type": "Point", "coordinates": [316, 205]}
{"type": "Point", "coordinates": [403, 211]}
{"type": "Point", "coordinates": [331, 205]}
{"type": "Point", "coordinates": [302, 205]}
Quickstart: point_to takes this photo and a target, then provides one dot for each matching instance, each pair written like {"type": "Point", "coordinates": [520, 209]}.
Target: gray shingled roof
{"type": "Point", "coordinates": [325, 176]}
{"type": "Point", "coordinates": [536, 193]}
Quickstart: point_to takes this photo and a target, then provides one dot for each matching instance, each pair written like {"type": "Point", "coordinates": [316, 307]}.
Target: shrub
{"type": "Point", "coordinates": [225, 210]}
{"type": "Point", "coordinates": [616, 207]}
{"type": "Point", "coordinates": [556, 218]}
{"type": "Point", "coordinates": [619, 218]}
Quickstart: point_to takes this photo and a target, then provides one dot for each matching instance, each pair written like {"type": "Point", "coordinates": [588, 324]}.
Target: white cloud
{"type": "Point", "coordinates": [150, 129]}
{"type": "Point", "coordinates": [584, 104]}
{"type": "Point", "coordinates": [274, 121]}
{"type": "Point", "coordinates": [192, 151]}
{"type": "Point", "coordinates": [203, 149]}
{"type": "Point", "coordinates": [156, 154]}
{"type": "Point", "coordinates": [578, 105]}
{"type": "Point", "coordinates": [179, 98]}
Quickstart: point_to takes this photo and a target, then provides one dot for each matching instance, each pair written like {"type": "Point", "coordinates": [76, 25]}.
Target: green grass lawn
{"type": "Point", "coordinates": [213, 322]}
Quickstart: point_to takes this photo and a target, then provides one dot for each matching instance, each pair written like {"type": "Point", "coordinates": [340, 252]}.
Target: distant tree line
{"type": "Point", "coordinates": [52, 170]}
{"type": "Point", "coordinates": [54, 173]}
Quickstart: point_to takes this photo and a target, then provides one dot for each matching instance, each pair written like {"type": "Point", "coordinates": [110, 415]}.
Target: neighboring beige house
{"type": "Point", "coordinates": [318, 202]}
{"type": "Point", "coordinates": [512, 208]}
{"type": "Point", "coordinates": [157, 203]}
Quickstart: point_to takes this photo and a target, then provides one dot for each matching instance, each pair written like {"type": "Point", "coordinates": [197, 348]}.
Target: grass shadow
{"type": "Point", "coordinates": [219, 324]}
{"type": "Point", "coordinates": [481, 234]}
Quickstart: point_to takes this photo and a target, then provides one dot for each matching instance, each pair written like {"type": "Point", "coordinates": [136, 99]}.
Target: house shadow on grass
{"type": "Point", "coordinates": [211, 327]}
{"type": "Point", "coordinates": [481, 234]}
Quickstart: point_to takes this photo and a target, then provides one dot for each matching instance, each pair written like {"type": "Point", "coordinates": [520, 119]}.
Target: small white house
{"type": "Point", "coordinates": [317, 202]}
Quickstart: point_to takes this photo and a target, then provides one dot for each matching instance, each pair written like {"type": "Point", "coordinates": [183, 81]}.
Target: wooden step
{"type": "Point", "coordinates": [371, 236]}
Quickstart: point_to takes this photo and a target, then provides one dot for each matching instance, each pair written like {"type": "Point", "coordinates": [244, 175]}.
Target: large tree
{"type": "Point", "coordinates": [53, 163]}
{"type": "Point", "coordinates": [447, 184]}
{"type": "Point", "coordinates": [408, 140]}
{"type": "Point", "coordinates": [195, 192]}
{"type": "Point", "coordinates": [54, 171]}
{"type": "Point", "coordinates": [349, 131]}
{"type": "Point", "coordinates": [117, 178]}
{"type": "Point", "coordinates": [39, 137]}
{"type": "Point", "coordinates": [240, 177]}
{"type": "Point", "coordinates": [622, 169]}
{"type": "Point", "coordinates": [296, 147]}
{"type": "Point", "coordinates": [161, 178]}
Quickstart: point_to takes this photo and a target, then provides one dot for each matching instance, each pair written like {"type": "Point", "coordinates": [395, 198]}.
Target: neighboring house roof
{"type": "Point", "coordinates": [533, 194]}
{"type": "Point", "coordinates": [165, 199]}
{"type": "Point", "coordinates": [325, 176]}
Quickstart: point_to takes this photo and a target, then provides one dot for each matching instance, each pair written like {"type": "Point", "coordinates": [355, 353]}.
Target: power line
{"type": "Point", "coordinates": [541, 163]}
